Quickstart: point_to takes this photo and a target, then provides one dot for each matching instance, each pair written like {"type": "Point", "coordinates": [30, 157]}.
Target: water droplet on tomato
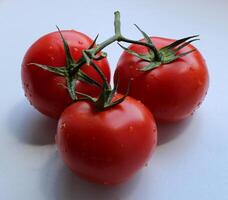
{"type": "Point", "coordinates": [198, 105]}
{"type": "Point", "coordinates": [62, 126]}
{"type": "Point", "coordinates": [131, 128]}
{"type": "Point", "coordinates": [50, 47]}
{"type": "Point", "coordinates": [192, 69]}
{"type": "Point", "coordinates": [200, 82]}
{"type": "Point", "coordinates": [132, 79]}
{"type": "Point", "coordinates": [26, 86]}
{"type": "Point", "coordinates": [75, 49]}
{"type": "Point", "coordinates": [30, 102]}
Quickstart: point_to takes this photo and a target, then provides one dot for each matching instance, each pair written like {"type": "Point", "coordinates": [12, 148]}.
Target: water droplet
{"type": "Point", "coordinates": [200, 82]}
{"type": "Point", "coordinates": [131, 128]}
{"type": "Point", "coordinates": [26, 86]}
{"type": "Point", "coordinates": [192, 69]}
{"type": "Point", "coordinates": [63, 125]}
{"type": "Point", "coordinates": [75, 49]}
{"type": "Point", "coordinates": [198, 105]}
{"type": "Point", "coordinates": [30, 102]}
{"type": "Point", "coordinates": [132, 79]}
{"type": "Point", "coordinates": [50, 47]}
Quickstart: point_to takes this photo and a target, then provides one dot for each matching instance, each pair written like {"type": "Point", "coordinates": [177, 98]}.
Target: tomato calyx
{"type": "Point", "coordinates": [165, 55]}
{"type": "Point", "coordinates": [105, 99]}
{"type": "Point", "coordinates": [71, 71]}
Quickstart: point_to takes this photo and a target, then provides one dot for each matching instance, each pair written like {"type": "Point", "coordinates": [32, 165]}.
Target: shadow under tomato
{"type": "Point", "coordinates": [31, 127]}
{"type": "Point", "coordinates": [170, 131]}
{"type": "Point", "coordinates": [59, 183]}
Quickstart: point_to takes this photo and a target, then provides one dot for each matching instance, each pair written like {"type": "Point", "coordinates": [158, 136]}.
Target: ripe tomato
{"type": "Point", "coordinates": [106, 146]}
{"type": "Point", "coordinates": [171, 91]}
{"type": "Point", "coordinates": [47, 91]}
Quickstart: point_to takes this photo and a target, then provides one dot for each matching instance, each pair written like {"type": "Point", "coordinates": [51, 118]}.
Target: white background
{"type": "Point", "coordinates": [191, 162]}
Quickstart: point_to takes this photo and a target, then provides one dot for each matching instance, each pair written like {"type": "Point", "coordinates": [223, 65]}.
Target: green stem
{"type": "Point", "coordinates": [117, 23]}
{"type": "Point", "coordinates": [103, 45]}
{"type": "Point", "coordinates": [117, 37]}
{"type": "Point", "coordinates": [106, 84]}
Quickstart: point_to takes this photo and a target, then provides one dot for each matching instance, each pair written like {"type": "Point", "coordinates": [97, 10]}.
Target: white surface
{"type": "Point", "coordinates": [191, 166]}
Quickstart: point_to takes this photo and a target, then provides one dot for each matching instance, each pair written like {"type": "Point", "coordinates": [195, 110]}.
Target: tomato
{"type": "Point", "coordinates": [106, 146]}
{"type": "Point", "coordinates": [171, 91]}
{"type": "Point", "coordinates": [47, 91]}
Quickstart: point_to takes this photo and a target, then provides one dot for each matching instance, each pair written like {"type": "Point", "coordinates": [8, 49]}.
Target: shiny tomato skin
{"type": "Point", "coordinates": [47, 91]}
{"type": "Point", "coordinates": [172, 91]}
{"type": "Point", "coordinates": [106, 147]}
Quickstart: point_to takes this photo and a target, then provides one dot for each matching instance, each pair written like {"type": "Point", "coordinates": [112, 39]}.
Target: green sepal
{"type": "Point", "coordinates": [85, 78]}
{"type": "Point", "coordinates": [153, 51]}
{"type": "Point", "coordinates": [71, 86]}
{"type": "Point", "coordinates": [178, 42]}
{"type": "Point", "coordinates": [94, 42]}
{"type": "Point", "coordinates": [85, 97]}
{"type": "Point", "coordinates": [69, 59]}
{"type": "Point", "coordinates": [151, 66]}
{"type": "Point", "coordinates": [169, 53]}
{"type": "Point", "coordinates": [185, 44]}
{"type": "Point", "coordinates": [118, 101]}
{"type": "Point", "coordinates": [141, 56]}
{"type": "Point", "coordinates": [61, 71]}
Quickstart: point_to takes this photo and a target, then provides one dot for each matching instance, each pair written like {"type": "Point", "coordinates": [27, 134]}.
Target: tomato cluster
{"type": "Point", "coordinates": [107, 134]}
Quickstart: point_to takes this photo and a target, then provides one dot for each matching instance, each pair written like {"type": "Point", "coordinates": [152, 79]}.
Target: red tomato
{"type": "Point", "coordinates": [172, 91]}
{"type": "Point", "coordinates": [107, 146]}
{"type": "Point", "coordinates": [47, 91]}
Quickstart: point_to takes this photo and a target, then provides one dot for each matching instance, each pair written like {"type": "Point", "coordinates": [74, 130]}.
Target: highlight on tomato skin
{"type": "Point", "coordinates": [109, 146]}
{"type": "Point", "coordinates": [47, 91]}
{"type": "Point", "coordinates": [171, 91]}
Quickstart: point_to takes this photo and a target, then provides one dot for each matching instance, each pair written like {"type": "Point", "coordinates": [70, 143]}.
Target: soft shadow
{"type": "Point", "coordinates": [59, 183]}
{"type": "Point", "coordinates": [170, 131]}
{"type": "Point", "coordinates": [31, 127]}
